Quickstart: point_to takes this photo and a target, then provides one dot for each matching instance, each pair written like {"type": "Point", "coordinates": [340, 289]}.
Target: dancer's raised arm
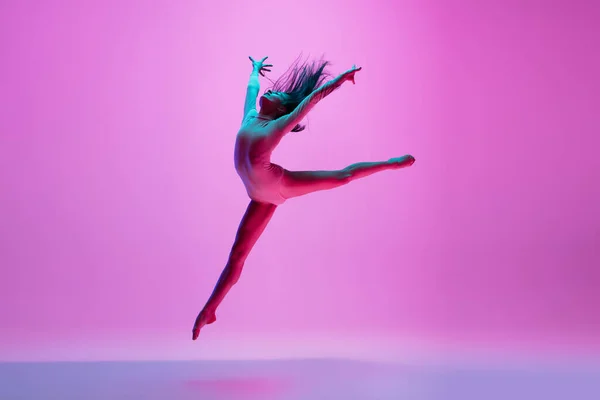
{"type": "Point", "coordinates": [254, 85]}
{"type": "Point", "coordinates": [287, 122]}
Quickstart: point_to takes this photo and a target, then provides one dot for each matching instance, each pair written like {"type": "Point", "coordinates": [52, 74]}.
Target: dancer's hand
{"type": "Point", "coordinates": [259, 66]}
{"type": "Point", "coordinates": [349, 75]}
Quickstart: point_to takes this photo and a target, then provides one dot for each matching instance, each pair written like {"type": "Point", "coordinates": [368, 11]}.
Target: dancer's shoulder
{"type": "Point", "coordinates": [250, 115]}
{"type": "Point", "coordinates": [257, 126]}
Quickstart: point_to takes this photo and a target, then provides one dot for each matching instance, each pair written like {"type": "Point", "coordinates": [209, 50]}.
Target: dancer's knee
{"type": "Point", "coordinates": [344, 176]}
{"type": "Point", "coordinates": [238, 255]}
{"type": "Point", "coordinates": [235, 275]}
{"type": "Point", "coordinates": [235, 271]}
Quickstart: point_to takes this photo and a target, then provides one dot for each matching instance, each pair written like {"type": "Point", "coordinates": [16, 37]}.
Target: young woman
{"type": "Point", "coordinates": [269, 185]}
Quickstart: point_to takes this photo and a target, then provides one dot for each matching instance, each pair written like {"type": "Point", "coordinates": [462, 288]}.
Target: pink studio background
{"type": "Point", "coordinates": [119, 201]}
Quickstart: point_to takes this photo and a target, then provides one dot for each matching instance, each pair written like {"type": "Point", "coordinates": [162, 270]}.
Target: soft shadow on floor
{"type": "Point", "coordinates": [241, 387]}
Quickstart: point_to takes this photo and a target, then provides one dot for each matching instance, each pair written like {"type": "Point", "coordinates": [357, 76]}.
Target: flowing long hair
{"type": "Point", "coordinates": [299, 81]}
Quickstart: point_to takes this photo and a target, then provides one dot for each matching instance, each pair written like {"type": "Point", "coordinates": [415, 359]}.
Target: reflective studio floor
{"type": "Point", "coordinates": [295, 379]}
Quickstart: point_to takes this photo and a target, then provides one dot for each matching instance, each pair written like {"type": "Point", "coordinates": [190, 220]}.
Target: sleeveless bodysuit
{"type": "Point", "coordinates": [260, 176]}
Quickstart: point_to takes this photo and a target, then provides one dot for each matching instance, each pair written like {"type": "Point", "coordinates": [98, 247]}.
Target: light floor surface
{"type": "Point", "coordinates": [294, 380]}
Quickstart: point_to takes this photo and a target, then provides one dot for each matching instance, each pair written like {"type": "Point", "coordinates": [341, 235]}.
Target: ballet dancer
{"type": "Point", "coordinates": [269, 185]}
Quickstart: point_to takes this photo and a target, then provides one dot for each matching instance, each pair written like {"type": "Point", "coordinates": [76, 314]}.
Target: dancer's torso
{"type": "Point", "coordinates": [252, 147]}
{"type": "Point", "coordinates": [252, 156]}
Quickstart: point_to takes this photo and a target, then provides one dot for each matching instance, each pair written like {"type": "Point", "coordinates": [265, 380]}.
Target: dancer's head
{"type": "Point", "coordinates": [273, 103]}
{"type": "Point", "coordinates": [291, 88]}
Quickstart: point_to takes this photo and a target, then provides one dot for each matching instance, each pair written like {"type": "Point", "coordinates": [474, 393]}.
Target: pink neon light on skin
{"type": "Point", "coordinates": [268, 184]}
{"type": "Point", "coordinates": [119, 203]}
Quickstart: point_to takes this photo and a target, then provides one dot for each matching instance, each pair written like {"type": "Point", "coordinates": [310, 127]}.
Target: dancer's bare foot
{"type": "Point", "coordinates": [402, 162]}
{"type": "Point", "coordinates": [204, 318]}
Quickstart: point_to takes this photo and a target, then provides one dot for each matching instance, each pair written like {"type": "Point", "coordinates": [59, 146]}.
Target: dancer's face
{"type": "Point", "coordinates": [272, 102]}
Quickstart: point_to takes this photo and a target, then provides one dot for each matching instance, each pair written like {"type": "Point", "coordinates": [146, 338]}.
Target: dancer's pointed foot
{"type": "Point", "coordinates": [204, 318]}
{"type": "Point", "coordinates": [402, 162]}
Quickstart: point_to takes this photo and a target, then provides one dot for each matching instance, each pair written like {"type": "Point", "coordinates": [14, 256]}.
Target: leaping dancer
{"type": "Point", "coordinates": [269, 185]}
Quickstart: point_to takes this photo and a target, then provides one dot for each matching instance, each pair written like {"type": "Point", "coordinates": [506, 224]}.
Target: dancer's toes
{"type": "Point", "coordinates": [402, 162]}
{"type": "Point", "coordinates": [204, 318]}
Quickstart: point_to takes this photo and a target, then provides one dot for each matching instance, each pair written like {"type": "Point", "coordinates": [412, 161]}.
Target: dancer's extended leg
{"type": "Point", "coordinates": [299, 183]}
{"type": "Point", "coordinates": [253, 224]}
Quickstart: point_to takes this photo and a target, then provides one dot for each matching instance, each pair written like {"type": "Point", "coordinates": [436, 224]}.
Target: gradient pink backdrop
{"type": "Point", "coordinates": [119, 201]}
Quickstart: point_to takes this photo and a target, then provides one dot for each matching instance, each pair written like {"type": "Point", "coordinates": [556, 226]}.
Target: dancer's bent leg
{"type": "Point", "coordinates": [253, 224]}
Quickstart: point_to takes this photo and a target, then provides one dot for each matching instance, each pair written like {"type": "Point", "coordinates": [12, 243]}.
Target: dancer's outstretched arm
{"type": "Point", "coordinates": [287, 122]}
{"type": "Point", "coordinates": [254, 85]}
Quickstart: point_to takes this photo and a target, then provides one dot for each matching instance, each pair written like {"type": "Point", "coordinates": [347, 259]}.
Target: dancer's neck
{"type": "Point", "coordinates": [265, 116]}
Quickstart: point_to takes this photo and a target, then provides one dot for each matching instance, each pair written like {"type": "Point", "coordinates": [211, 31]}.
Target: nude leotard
{"type": "Point", "coordinates": [261, 177]}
